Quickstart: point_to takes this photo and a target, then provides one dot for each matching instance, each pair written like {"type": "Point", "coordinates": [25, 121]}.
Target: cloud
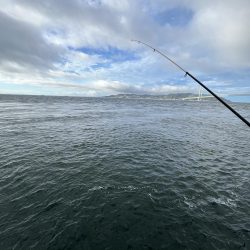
{"type": "Point", "coordinates": [86, 44]}
{"type": "Point", "coordinates": [21, 46]}
{"type": "Point", "coordinates": [223, 27]}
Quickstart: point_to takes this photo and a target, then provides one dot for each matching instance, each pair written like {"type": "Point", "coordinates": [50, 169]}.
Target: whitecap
{"type": "Point", "coordinates": [224, 201]}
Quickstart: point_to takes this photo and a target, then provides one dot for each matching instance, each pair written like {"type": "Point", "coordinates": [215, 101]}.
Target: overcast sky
{"type": "Point", "coordinates": [83, 47]}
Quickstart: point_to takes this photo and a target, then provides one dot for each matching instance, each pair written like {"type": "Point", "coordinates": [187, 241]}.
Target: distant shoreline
{"type": "Point", "coordinates": [170, 97]}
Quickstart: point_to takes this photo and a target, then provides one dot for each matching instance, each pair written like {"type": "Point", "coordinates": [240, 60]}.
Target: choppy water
{"type": "Point", "coordinates": [95, 173]}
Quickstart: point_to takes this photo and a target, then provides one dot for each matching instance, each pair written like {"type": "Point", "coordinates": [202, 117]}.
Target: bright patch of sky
{"type": "Point", "coordinates": [84, 47]}
{"type": "Point", "coordinates": [176, 17]}
{"type": "Point", "coordinates": [243, 99]}
{"type": "Point", "coordinates": [111, 53]}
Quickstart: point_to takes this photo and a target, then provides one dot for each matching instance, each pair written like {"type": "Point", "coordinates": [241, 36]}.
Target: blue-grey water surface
{"type": "Point", "coordinates": [98, 173]}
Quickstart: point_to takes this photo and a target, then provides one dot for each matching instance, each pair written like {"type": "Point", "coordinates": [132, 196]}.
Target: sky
{"type": "Point", "coordinates": [84, 48]}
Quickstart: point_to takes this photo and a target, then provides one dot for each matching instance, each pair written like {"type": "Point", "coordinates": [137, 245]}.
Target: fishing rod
{"type": "Point", "coordinates": [200, 83]}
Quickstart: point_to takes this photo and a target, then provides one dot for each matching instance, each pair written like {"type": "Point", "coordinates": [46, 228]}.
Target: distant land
{"type": "Point", "coordinates": [240, 98]}
{"type": "Point", "coordinates": [169, 97]}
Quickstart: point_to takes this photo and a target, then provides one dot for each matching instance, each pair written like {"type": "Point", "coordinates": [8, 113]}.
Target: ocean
{"type": "Point", "coordinates": [99, 173]}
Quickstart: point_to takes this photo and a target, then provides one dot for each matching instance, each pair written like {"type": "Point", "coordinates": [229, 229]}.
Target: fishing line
{"type": "Point", "coordinates": [200, 83]}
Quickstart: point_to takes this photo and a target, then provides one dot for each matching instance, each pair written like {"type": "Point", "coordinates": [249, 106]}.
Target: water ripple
{"type": "Point", "coordinates": [93, 173]}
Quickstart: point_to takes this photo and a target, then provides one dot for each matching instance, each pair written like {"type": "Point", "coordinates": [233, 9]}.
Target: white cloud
{"type": "Point", "coordinates": [223, 27]}
{"type": "Point", "coordinates": [22, 13]}
{"type": "Point", "coordinates": [34, 48]}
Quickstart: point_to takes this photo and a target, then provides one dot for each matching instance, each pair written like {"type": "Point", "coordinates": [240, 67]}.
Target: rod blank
{"type": "Point", "coordinates": [199, 82]}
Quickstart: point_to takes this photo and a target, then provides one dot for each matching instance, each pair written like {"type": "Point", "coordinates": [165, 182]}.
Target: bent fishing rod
{"type": "Point", "coordinates": [200, 83]}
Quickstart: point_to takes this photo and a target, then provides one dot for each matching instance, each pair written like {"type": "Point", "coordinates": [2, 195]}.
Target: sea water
{"type": "Point", "coordinates": [99, 173]}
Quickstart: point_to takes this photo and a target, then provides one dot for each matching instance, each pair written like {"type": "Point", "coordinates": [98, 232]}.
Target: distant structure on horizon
{"type": "Point", "coordinates": [169, 97]}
